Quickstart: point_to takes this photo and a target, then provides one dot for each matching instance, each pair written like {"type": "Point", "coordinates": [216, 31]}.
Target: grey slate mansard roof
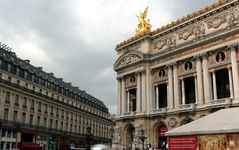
{"type": "Point", "coordinates": [221, 122]}
{"type": "Point", "coordinates": [8, 55]}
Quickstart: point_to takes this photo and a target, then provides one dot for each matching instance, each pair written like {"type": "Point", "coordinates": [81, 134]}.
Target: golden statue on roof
{"type": "Point", "coordinates": [144, 25]}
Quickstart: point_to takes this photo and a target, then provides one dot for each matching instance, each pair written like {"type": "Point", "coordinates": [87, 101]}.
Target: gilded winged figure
{"type": "Point", "coordinates": [144, 25]}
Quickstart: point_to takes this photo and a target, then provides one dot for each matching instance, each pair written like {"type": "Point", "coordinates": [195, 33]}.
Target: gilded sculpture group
{"type": "Point", "coordinates": [144, 26]}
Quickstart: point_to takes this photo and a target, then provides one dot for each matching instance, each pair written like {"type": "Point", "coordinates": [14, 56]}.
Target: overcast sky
{"type": "Point", "coordinates": [75, 39]}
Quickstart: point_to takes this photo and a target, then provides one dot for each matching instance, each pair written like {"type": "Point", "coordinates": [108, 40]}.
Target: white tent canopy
{"type": "Point", "coordinates": [220, 122]}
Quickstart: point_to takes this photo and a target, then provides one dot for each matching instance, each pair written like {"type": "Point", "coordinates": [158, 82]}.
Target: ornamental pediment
{"type": "Point", "coordinates": [127, 59]}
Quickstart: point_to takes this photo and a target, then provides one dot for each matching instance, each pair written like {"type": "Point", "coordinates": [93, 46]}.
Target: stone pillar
{"type": "Point", "coordinates": [143, 92]}
{"type": "Point", "coordinates": [123, 96]}
{"type": "Point", "coordinates": [138, 96]}
{"type": "Point", "coordinates": [196, 89]}
{"type": "Point", "coordinates": [128, 109]}
{"type": "Point", "coordinates": [230, 82]}
{"type": "Point", "coordinates": [214, 85]}
{"type": "Point", "coordinates": [149, 91]}
{"type": "Point", "coordinates": [183, 91]}
{"type": "Point", "coordinates": [206, 82]}
{"type": "Point", "coordinates": [119, 98]}
{"type": "Point", "coordinates": [235, 75]}
{"type": "Point", "coordinates": [199, 81]}
{"type": "Point", "coordinates": [156, 97]}
{"type": "Point", "coordinates": [170, 86]}
{"type": "Point", "coordinates": [176, 86]}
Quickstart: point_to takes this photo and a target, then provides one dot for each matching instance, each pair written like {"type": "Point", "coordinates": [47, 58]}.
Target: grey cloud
{"type": "Point", "coordinates": [82, 50]}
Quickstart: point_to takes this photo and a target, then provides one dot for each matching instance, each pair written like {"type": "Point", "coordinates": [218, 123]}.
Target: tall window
{"type": "Point", "coordinates": [23, 117]}
{"type": "Point", "coordinates": [45, 109]}
{"type": "Point", "coordinates": [7, 98]}
{"type": "Point", "coordinates": [190, 95]}
{"type": "Point", "coordinates": [15, 116]}
{"type": "Point", "coordinates": [222, 83]}
{"type": "Point", "coordinates": [32, 105]}
{"type": "Point", "coordinates": [132, 100]}
{"type": "Point", "coordinates": [16, 103]}
{"type": "Point", "coordinates": [39, 106]}
{"type": "Point", "coordinates": [57, 112]}
{"type": "Point", "coordinates": [161, 96]}
{"type": "Point", "coordinates": [5, 117]}
{"type": "Point", "coordinates": [61, 125]}
{"type": "Point", "coordinates": [31, 119]}
{"type": "Point", "coordinates": [25, 102]}
{"type": "Point", "coordinates": [56, 124]}
{"type": "Point", "coordinates": [50, 124]}
{"type": "Point", "coordinates": [38, 120]}
{"type": "Point", "coordinates": [66, 126]}
{"type": "Point", "coordinates": [51, 110]}
{"type": "Point", "coordinates": [45, 121]}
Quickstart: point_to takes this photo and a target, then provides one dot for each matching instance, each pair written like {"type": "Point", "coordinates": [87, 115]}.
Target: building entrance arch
{"type": "Point", "coordinates": [161, 138]}
{"type": "Point", "coordinates": [130, 131]}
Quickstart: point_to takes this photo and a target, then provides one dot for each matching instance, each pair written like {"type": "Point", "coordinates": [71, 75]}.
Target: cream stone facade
{"type": "Point", "coordinates": [38, 110]}
{"type": "Point", "coordinates": [177, 74]}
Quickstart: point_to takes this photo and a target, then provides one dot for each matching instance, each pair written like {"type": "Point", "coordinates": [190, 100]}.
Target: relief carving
{"type": "Point", "coordinates": [233, 17]}
{"type": "Point", "coordinates": [116, 135]}
{"type": "Point", "coordinates": [131, 80]}
{"type": "Point", "coordinates": [216, 22]}
{"type": "Point", "coordinates": [129, 59]}
{"type": "Point", "coordinates": [160, 44]}
{"type": "Point", "coordinates": [199, 29]}
{"type": "Point", "coordinates": [159, 74]}
{"type": "Point", "coordinates": [185, 34]}
{"type": "Point", "coordinates": [171, 41]}
{"type": "Point", "coordinates": [136, 140]}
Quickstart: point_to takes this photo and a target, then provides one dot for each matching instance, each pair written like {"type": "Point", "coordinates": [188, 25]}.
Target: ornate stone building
{"type": "Point", "coordinates": [177, 74]}
{"type": "Point", "coordinates": [39, 110]}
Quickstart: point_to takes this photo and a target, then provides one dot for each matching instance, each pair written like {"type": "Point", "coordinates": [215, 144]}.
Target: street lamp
{"type": "Point", "coordinates": [88, 134]}
{"type": "Point", "coordinates": [142, 137]}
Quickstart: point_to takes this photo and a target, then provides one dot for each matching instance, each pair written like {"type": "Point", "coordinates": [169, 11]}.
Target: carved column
{"type": "Point", "coordinates": [199, 81]}
{"type": "Point", "coordinates": [138, 99]}
{"type": "Point", "coordinates": [170, 86]}
{"type": "Point", "coordinates": [176, 86]}
{"type": "Point", "coordinates": [206, 82]}
{"type": "Point", "coordinates": [214, 85]}
{"type": "Point", "coordinates": [119, 98]}
{"type": "Point", "coordinates": [183, 91]}
{"type": "Point", "coordinates": [128, 102]}
{"type": "Point", "coordinates": [196, 89]}
{"type": "Point", "coordinates": [235, 75]}
{"type": "Point", "coordinates": [143, 92]}
{"type": "Point", "coordinates": [123, 97]}
{"type": "Point", "coordinates": [230, 81]}
{"type": "Point", "coordinates": [156, 97]}
{"type": "Point", "coordinates": [149, 91]}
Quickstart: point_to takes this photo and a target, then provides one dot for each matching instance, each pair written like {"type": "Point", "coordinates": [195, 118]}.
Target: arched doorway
{"type": "Point", "coordinates": [162, 139]}
{"type": "Point", "coordinates": [129, 137]}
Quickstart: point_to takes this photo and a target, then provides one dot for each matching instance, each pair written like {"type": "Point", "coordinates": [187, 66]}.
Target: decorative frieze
{"type": "Point", "coordinates": [171, 41]}
{"type": "Point", "coordinates": [185, 34]}
{"type": "Point", "coordinates": [199, 29]}
{"type": "Point", "coordinates": [233, 17]}
{"type": "Point", "coordinates": [216, 22]}
{"type": "Point", "coordinates": [160, 44]}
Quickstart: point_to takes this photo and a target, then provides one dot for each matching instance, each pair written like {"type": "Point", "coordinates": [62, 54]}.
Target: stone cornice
{"type": "Point", "coordinates": [180, 23]}
{"type": "Point", "coordinates": [206, 42]}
